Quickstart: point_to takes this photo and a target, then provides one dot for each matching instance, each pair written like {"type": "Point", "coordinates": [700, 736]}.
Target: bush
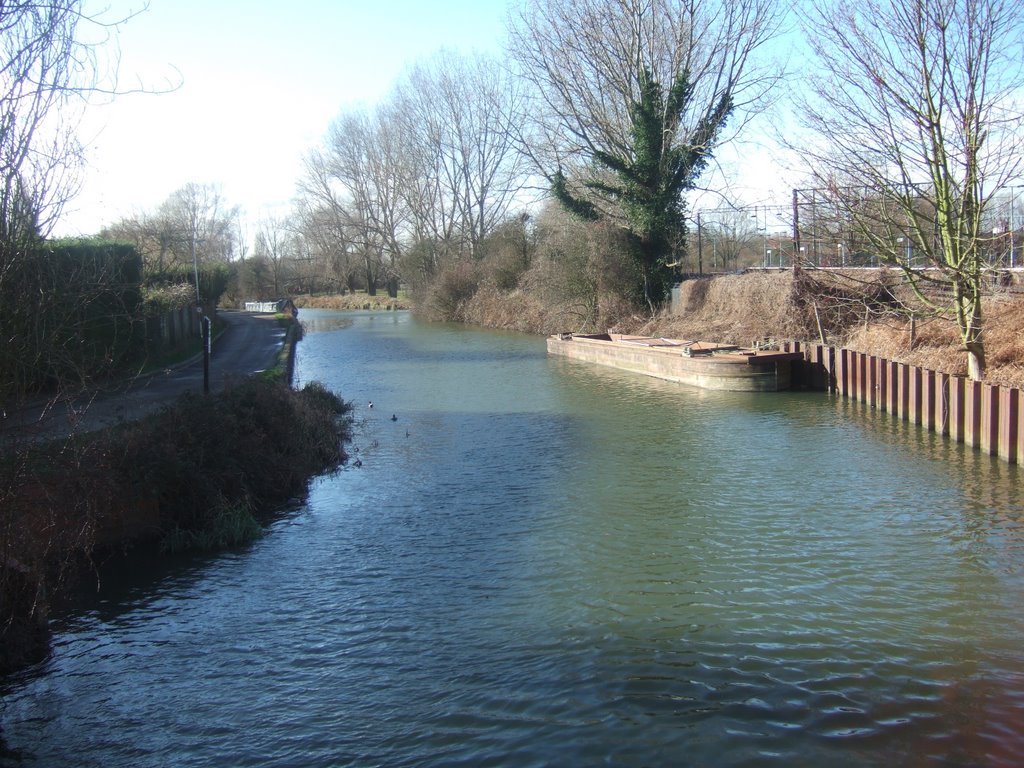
{"type": "Point", "coordinates": [71, 312]}
{"type": "Point", "coordinates": [160, 298]}
{"type": "Point", "coordinates": [450, 291]}
{"type": "Point", "coordinates": [506, 253]}
{"type": "Point", "coordinates": [198, 474]}
{"type": "Point", "coordinates": [213, 279]}
{"type": "Point", "coordinates": [209, 458]}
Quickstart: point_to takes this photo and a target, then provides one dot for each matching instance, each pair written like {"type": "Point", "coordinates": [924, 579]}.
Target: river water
{"type": "Point", "coordinates": [542, 562]}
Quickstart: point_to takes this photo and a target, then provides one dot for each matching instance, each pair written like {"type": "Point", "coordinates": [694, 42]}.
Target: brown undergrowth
{"type": "Point", "coordinates": [863, 310]}
{"type": "Point", "coordinates": [351, 301]}
{"type": "Point", "coordinates": [197, 474]}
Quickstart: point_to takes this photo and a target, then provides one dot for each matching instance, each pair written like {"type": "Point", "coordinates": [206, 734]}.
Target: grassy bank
{"type": "Point", "coordinates": [201, 473]}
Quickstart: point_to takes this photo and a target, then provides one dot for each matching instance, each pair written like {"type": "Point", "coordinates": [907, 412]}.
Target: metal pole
{"type": "Point", "coordinates": [700, 247]}
{"type": "Point", "coordinates": [796, 224]}
{"type": "Point", "coordinates": [195, 265]}
{"type": "Point", "coordinates": [1013, 254]}
{"type": "Point", "coordinates": [206, 355]}
{"type": "Point", "coordinates": [764, 236]}
{"type": "Point", "coordinates": [195, 270]}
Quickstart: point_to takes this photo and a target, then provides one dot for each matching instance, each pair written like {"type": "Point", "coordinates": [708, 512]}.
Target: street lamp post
{"type": "Point", "coordinates": [764, 240]}
{"type": "Point", "coordinates": [1013, 226]}
{"type": "Point", "coordinates": [195, 265]}
{"type": "Point", "coordinates": [1013, 254]}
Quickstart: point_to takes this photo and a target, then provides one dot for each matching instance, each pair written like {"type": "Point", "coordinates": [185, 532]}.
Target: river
{"type": "Point", "coordinates": [538, 562]}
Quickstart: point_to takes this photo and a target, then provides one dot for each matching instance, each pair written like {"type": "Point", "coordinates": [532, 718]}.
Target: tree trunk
{"type": "Point", "coordinates": [967, 305]}
{"type": "Point", "coordinates": [976, 361]}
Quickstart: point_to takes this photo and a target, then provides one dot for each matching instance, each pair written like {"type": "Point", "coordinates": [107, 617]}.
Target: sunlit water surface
{"type": "Point", "coordinates": [542, 562]}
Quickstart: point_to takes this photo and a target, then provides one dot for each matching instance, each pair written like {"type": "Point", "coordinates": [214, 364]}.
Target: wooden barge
{"type": "Point", "coordinates": [700, 363]}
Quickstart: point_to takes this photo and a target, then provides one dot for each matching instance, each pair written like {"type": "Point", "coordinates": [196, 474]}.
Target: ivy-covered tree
{"type": "Point", "coordinates": [629, 101]}
{"type": "Point", "coordinates": [649, 177]}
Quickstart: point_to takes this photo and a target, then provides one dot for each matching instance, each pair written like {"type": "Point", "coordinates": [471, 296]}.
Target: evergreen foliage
{"type": "Point", "coordinates": [649, 177]}
{"type": "Point", "coordinates": [70, 312]}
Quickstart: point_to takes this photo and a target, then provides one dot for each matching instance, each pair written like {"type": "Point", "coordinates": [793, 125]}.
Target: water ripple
{"type": "Point", "coordinates": [541, 563]}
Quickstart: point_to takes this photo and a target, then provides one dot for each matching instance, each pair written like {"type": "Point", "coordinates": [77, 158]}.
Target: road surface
{"type": "Point", "coordinates": [249, 344]}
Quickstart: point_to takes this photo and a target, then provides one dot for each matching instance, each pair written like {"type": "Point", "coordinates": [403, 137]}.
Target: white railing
{"type": "Point", "coordinates": [261, 306]}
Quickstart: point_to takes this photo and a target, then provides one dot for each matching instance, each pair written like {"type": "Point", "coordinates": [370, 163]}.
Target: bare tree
{"type": "Point", "coordinates": [917, 108]}
{"type": "Point", "coordinates": [57, 57]}
{"type": "Point", "coordinates": [240, 237]}
{"type": "Point", "coordinates": [350, 188]}
{"type": "Point", "coordinates": [462, 170]}
{"type": "Point", "coordinates": [203, 222]}
{"type": "Point", "coordinates": [366, 160]}
{"type": "Point", "coordinates": [434, 164]}
{"type": "Point", "coordinates": [274, 241]}
{"type": "Point", "coordinates": [40, 76]}
{"type": "Point", "coordinates": [154, 237]}
{"type": "Point", "coordinates": [194, 223]}
{"type": "Point", "coordinates": [325, 239]}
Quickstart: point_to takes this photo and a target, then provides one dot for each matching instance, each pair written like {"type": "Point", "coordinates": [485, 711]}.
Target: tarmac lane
{"type": "Point", "coordinates": [248, 345]}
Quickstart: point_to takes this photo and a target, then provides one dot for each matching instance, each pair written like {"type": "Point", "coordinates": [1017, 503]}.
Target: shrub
{"type": "Point", "coordinates": [449, 292]}
{"type": "Point", "coordinates": [209, 458]}
{"type": "Point", "coordinates": [507, 252]}
{"type": "Point", "coordinates": [70, 312]}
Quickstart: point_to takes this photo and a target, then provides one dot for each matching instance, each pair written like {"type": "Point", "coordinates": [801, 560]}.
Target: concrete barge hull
{"type": "Point", "coordinates": [734, 372]}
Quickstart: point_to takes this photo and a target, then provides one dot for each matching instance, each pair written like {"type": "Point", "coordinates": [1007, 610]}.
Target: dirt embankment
{"type": "Point", "coordinates": [861, 309]}
{"type": "Point", "coordinates": [864, 310]}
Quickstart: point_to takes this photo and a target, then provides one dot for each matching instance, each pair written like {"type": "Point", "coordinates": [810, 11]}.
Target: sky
{"type": "Point", "coordinates": [260, 83]}
{"type": "Point", "coordinates": [256, 85]}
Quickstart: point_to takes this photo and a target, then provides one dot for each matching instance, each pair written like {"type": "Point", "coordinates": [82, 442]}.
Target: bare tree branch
{"type": "Point", "coordinates": [917, 109]}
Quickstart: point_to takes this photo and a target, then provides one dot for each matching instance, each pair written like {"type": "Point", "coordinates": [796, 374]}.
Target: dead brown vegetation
{"type": "Point", "coordinates": [351, 301]}
{"type": "Point", "coordinates": [864, 310]}
{"type": "Point", "coordinates": [733, 309]}
{"type": "Point", "coordinates": [935, 343]}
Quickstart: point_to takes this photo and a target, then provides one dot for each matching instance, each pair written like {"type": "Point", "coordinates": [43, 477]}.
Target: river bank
{"type": "Point", "coordinates": [199, 473]}
{"type": "Point", "coordinates": [856, 309]}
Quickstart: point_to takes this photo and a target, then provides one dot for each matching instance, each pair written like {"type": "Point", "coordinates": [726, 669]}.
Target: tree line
{"type": "Point", "coordinates": [602, 117]}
